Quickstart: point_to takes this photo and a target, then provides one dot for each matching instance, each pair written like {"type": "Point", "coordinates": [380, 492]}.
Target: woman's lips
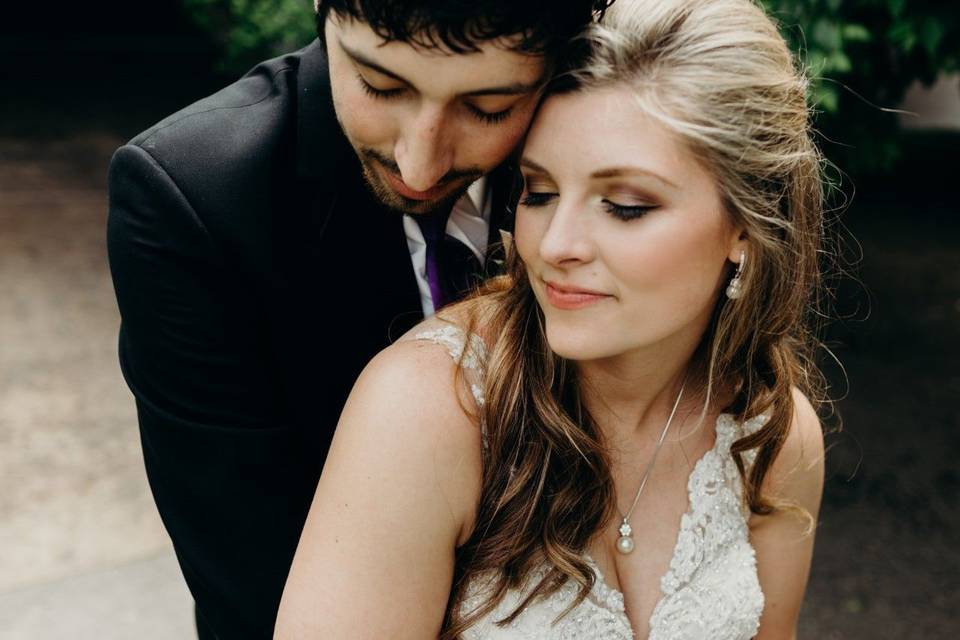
{"type": "Point", "coordinates": [564, 297]}
{"type": "Point", "coordinates": [398, 185]}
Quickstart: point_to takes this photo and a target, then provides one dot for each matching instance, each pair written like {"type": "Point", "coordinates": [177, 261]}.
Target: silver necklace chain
{"type": "Point", "coordinates": [625, 541]}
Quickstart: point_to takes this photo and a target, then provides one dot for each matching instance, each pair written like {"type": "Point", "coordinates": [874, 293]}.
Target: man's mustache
{"type": "Point", "coordinates": [454, 175]}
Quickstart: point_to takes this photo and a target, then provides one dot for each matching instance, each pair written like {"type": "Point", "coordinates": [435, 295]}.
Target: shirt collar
{"type": "Point", "coordinates": [478, 194]}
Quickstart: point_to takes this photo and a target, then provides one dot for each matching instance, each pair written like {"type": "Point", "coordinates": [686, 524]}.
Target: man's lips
{"type": "Point", "coordinates": [568, 297]}
{"type": "Point", "coordinates": [411, 194]}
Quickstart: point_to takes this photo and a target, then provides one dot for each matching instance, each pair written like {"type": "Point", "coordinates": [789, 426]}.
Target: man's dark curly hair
{"type": "Point", "coordinates": [546, 27]}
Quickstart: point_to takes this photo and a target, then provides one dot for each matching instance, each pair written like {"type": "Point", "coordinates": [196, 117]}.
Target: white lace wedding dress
{"type": "Point", "coordinates": [710, 592]}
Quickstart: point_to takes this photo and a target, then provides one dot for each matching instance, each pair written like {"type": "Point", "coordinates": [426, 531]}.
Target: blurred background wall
{"type": "Point", "coordinates": [82, 551]}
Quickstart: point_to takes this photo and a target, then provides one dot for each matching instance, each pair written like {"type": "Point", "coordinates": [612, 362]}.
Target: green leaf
{"type": "Point", "coordinates": [838, 62]}
{"type": "Point", "coordinates": [826, 97]}
{"type": "Point", "coordinates": [902, 35]}
{"type": "Point", "coordinates": [931, 34]}
{"type": "Point", "coordinates": [817, 61]}
{"type": "Point", "coordinates": [856, 33]}
{"type": "Point", "coordinates": [896, 7]}
{"type": "Point", "coordinates": [827, 34]}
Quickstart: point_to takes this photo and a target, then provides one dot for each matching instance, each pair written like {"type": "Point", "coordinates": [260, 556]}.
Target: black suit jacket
{"type": "Point", "coordinates": [255, 276]}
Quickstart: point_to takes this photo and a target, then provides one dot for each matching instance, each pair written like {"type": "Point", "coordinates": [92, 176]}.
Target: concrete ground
{"type": "Point", "coordinates": [83, 554]}
{"type": "Point", "coordinates": [82, 551]}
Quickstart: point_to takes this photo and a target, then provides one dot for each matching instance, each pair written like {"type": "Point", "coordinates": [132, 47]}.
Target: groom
{"type": "Point", "coordinates": [266, 241]}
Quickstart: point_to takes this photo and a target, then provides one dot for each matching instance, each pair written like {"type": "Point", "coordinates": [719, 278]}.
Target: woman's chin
{"type": "Point", "coordinates": [579, 344]}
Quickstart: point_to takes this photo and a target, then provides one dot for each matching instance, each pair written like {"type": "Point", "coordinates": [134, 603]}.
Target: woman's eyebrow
{"type": "Point", "coordinates": [530, 164]}
{"type": "Point", "coordinates": [617, 172]}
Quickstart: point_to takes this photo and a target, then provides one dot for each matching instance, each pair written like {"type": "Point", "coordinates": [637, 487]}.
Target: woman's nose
{"type": "Point", "coordinates": [567, 237]}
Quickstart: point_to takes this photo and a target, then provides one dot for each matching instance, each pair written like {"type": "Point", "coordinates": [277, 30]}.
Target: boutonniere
{"type": "Point", "coordinates": [506, 238]}
{"type": "Point", "coordinates": [497, 258]}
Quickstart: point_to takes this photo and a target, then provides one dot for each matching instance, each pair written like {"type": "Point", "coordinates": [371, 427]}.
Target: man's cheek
{"type": "Point", "coordinates": [367, 125]}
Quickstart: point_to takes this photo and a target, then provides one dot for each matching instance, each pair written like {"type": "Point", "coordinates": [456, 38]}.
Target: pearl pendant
{"type": "Point", "coordinates": [625, 541]}
{"type": "Point", "coordinates": [734, 289]}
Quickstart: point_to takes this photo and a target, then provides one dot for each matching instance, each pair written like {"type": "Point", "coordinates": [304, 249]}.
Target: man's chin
{"type": "Point", "coordinates": [396, 202]}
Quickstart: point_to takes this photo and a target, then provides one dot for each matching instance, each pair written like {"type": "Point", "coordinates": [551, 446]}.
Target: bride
{"type": "Point", "coordinates": [621, 445]}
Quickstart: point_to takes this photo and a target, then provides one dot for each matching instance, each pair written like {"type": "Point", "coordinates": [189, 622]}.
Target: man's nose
{"type": "Point", "coordinates": [423, 152]}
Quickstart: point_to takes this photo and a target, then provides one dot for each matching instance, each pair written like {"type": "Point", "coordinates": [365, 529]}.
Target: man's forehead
{"type": "Point", "coordinates": [495, 64]}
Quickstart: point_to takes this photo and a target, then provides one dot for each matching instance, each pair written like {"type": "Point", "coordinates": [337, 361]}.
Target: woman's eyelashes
{"type": "Point", "coordinates": [627, 212]}
{"type": "Point", "coordinates": [536, 199]}
{"type": "Point", "coordinates": [481, 115]}
{"type": "Point", "coordinates": [619, 211]}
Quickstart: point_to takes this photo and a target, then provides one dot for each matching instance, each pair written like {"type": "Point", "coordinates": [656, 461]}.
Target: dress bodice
{"type": "Point", "coordinates": [711, 590]}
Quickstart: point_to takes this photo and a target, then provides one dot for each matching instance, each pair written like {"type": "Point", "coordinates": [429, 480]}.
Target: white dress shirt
{"type": "Point", "coordinates": [469, 223]}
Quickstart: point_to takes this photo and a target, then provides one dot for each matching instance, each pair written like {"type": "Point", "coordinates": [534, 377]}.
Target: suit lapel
{"type": "Point", "coordinates": [366, 247]}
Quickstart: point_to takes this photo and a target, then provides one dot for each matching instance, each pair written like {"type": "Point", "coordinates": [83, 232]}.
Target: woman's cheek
{"type": "Point", "coordinates": [526, 235]}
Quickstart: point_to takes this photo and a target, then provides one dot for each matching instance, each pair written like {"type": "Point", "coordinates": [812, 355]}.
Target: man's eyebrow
{"type": "Point", "coordinates": [359, 58]}
{"type": "Point", "coordinates": [515, 89]}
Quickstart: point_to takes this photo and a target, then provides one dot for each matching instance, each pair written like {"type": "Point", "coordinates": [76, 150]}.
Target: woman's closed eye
{"type": "Point", "coordinates": [536, 199]}
{"type": "Point", "coordinates": [619, 211]}
{"type": "Point", "coordinates": [627, 212]}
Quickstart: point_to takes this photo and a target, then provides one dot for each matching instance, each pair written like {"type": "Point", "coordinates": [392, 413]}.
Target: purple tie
{"type": "Point", "coordinates": [434, 229]}
{"type": "Point", "coordinates": [453, 270]}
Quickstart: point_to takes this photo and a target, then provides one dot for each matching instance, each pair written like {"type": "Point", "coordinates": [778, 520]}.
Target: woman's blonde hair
{"type": "Point", "coordinates": [719, 75]}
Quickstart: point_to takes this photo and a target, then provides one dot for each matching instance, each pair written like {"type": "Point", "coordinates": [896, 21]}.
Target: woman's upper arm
{"type": "Point", "coordinates": [375, 559]}
{"type": "Point", "coordinates": [784, 541]}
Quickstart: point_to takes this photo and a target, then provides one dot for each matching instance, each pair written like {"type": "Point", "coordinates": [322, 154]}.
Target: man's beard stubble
{"type": "Point", "coordinates": [396, 202]}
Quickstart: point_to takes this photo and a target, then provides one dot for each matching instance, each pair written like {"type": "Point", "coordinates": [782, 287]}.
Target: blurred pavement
{"type": "Point", "coordinates": [84, 554]}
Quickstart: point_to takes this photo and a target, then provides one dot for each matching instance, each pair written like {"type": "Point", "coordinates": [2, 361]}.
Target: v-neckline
{"type": "Point", "coordinates": [609, 593]}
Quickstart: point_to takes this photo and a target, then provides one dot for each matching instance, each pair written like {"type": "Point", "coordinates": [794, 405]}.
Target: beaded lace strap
{"type": "Point", "coordinates": [471, 358]}
{"type": "Point", "coordinates": [748, 428]}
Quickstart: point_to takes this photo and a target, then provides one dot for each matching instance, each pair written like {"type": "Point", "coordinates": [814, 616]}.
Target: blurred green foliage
{"type": "Point", "coordinates": [248, 31]}
{"type": "Point", "coordinates": [861, 54]}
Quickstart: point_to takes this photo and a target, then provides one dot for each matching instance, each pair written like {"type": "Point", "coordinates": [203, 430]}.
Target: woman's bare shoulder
{"type": "Point", "coordinates": [415, 381]}
{"type": "Point", "coordinates": [797, 472]}
{"type": "Point", "coordinates": [412, 390]}
{"type": "Point", "coordinates": [397, 493]}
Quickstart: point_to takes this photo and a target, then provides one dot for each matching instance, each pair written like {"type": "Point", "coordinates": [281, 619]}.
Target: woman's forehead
{"type": "Point", "coordinates": [594, 130]}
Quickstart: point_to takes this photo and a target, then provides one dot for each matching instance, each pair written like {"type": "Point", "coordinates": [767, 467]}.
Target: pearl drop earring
{"type": "Point", "coordinates": [735, 288]}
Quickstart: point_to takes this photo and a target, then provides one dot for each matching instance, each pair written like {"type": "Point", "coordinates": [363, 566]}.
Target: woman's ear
{"type": "Point", "coordinates": [739, 245]}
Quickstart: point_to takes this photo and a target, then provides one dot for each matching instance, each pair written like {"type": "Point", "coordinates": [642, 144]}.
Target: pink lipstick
{"type": "Point", "coordinates": [569, 298]}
